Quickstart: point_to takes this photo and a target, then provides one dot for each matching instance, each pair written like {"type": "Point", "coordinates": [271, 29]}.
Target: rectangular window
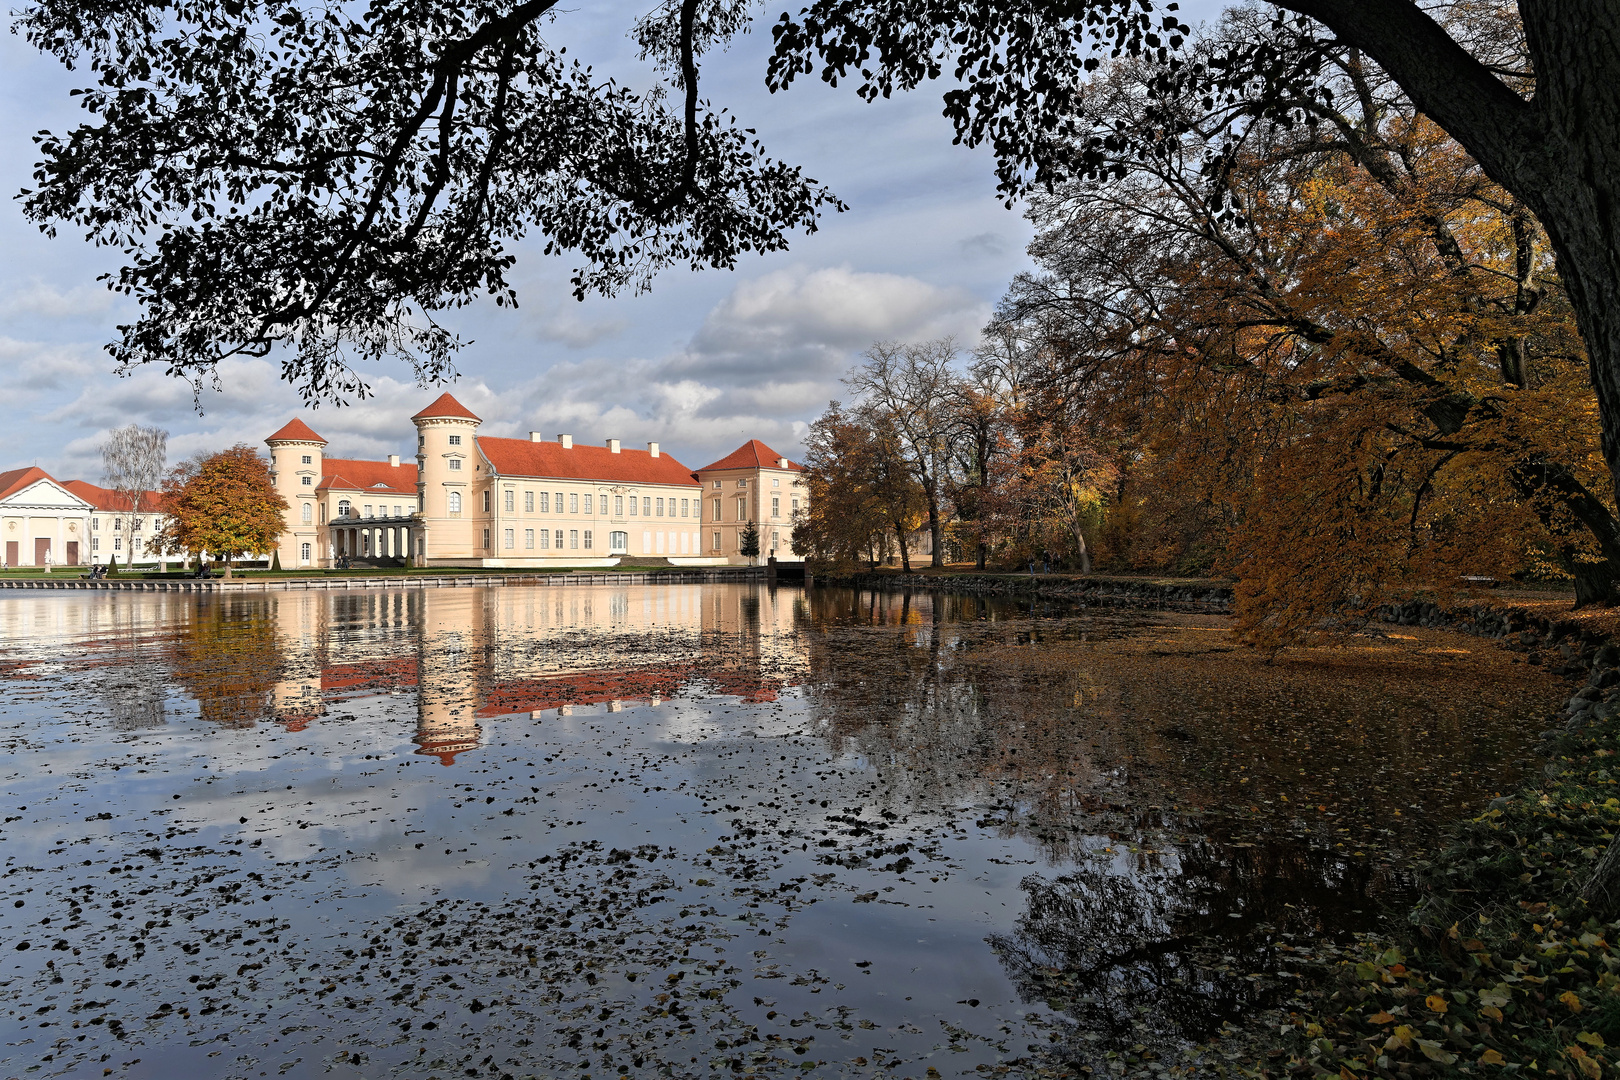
{"type": "Point", "coordinates": [633, 506]}
{"type": "Point", "coordinates": [528, 539]}
{"type": "Point", "coordinates": [559, 506]}
{"type": "Point", "coordinates": [573, 538]}
{"type": "Point", "coordinates": [545, 502]}
{"type": "Point", "coordinates": [368, 510]}
{"type": "Point", "coordinates": [507, 540]}
{"type": "Point", "coordinates": [646, 507]}
{"type": "Point", "coordinates": [95, 543]}
{"type": "Point", "coordinates": [118, 524]}
{"type": "Point", "coordinates": [486, 504]}
{"type": "Point", "coordinates": [742, 483]}
{"type": "Point", "coordinates": [557, 539]}
{"type": "Point", "coordinates": [775, 482]}
{"type": "Point", "coordinates": [308, 460]}
{"type": "Point", "coordinates": [618, 506]}
{"type": "Point", "coordinates": [795, 507]}
{"type": "Point", "coordinates": [309, 514]}
{"type": "Point", "coordinates": [742, 509]}
{"type": "Point", "coordinates": [323, 513]}
{"type": "Point", "coordinates": [588, 509]}
{"type": "Point", "coordinates": [509, 503]}
{"type": "Point", "coordinates": [455, 440]}
{"type": "Point", "coordinates": [660, 507]}
{"type": "Point", "coordinates": [716, 510]}
{"type": "Point", "coordinates": [587, 539]}
{"type": "Point", "coordinates": [303, 553]}
{"type": "Point", "coordinates": [95, 524]}
{"type": "Point", "coordinates": [308, 481]}
{"type": "Point", "coordinates": [573, 504]}
{"type": "Point", "coordinates": [528, 502]}
{"type": "Point", "coordinates": [545, 539]}
{"type": "Point", "coordinates": [684, 507]}
{"type": "Point", "coordinates": [455, 464]}
{"type": "Point", "coordinates": [486, 539]}
{"type": "Point", "coordinates": [776, 508]}
{"type": "Point", "coordinates": [717, 541]}
{"type": "Point", "coordinates": [717, 483]}
{"type": "Point", "coordinates": [118, 543]}
{"type": "Point", "coordinates": [646, 542]}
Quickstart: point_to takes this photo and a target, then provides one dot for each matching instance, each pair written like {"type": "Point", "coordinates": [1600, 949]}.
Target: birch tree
{"type": "Point", "coordinates": [132, 463]}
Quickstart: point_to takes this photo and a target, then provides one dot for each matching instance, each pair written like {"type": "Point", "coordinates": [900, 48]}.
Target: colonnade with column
{"type": "Point", "coordinates": [370, 541]}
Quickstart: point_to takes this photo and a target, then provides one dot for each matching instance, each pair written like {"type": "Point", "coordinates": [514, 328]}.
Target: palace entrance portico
{"type": "Point", "coordinates": [371, 539]}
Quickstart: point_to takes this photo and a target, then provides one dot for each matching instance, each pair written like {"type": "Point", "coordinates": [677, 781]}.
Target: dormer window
{"type": "Point", "coordinates": [455, 440]}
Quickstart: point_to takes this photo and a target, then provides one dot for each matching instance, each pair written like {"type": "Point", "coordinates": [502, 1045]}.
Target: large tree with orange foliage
{"type": "Point", "coordinates": [1346, 338]}
{"type": "Point", "coordinates": [225, 505]}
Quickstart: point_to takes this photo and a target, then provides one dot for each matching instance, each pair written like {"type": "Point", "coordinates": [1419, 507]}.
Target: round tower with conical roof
{"type": "Point", "coordinates": [295, 469]}
{"type": "Point", "coordinates": [448, 482]}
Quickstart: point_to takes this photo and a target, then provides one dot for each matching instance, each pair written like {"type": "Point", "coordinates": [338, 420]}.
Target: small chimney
{"type": "Point", "coordinates": [782, 463]}
{"type": "Point", "coordinates": [534, 436]}
{"type": "Point", "coordinates": [567, 441]}
{"type": "Point", "coordinates": [613, 446]}
{"type": "Point", "coordinates": [652, 449]}
{"type": "Point", "coordinates": [393, 459]}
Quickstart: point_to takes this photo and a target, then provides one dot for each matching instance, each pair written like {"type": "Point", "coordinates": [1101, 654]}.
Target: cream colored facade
{"type": "Point", "coordinates": [42, 522]}
{"type": "Point", "coordinates": [479, 501]}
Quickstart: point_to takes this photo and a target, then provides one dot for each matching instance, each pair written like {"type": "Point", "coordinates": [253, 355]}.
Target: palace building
{"type": "Point", "coordinates": [480, 501]}
{"type": "Point", "coordinates": [468, 500]}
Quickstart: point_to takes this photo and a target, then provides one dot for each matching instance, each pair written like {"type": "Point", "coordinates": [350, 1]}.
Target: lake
{"type": "Point", "coordinates": [698, 830]}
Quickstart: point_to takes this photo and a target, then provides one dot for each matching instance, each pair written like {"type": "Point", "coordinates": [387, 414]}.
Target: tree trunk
{"type": "Point", "coordinates": [1602, 889]}
{"type": "Point", "coordinates": [1594, 581]}
{"type": "Point", "coordinates": [936, 531]}
{"type": "Point", "coordinates": [983, 554]}
{"type": "Point", "coordinates": [905, 553]}
{"type": "Point", "coordinates": [227, 569]}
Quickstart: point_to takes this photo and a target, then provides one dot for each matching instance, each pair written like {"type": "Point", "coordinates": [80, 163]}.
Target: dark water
{"type": "Point", "coordinates": [694, 830]}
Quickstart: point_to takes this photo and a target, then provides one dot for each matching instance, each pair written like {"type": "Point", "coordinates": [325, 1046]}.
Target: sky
{"type": "Point", "coordinates": [700, 364]}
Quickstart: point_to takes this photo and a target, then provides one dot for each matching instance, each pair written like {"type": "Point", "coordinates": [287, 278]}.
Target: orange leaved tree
{"type": "Point", "coordinates": [225, 505]}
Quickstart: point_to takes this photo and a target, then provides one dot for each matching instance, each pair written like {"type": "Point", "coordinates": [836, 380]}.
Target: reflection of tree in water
{"type": "Point", "coordinates": [228, 659]}
{"type": "Point", "coordinates": [1161, 951]}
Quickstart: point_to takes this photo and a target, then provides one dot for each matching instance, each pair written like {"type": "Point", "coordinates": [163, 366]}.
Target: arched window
{"type": "Point", "coordinates": [309, 513]}
{"type": "Point", "coordinates": [455, 502]}
{"type": "Point", "coordinates": [618, 543]}
{"type": "Point", "coordinates": [343, 508]}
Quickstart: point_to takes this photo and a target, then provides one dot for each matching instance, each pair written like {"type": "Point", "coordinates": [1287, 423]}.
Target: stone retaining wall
{"type": "Point", "coordinates": [412, 581]}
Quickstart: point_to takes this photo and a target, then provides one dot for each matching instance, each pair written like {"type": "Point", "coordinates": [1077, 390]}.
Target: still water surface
{"type": "Point", "coordinates": [694, 831]}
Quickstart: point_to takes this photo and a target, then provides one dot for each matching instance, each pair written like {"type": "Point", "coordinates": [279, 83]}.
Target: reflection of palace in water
{"type": "Point", "coordinates": [472, 654]}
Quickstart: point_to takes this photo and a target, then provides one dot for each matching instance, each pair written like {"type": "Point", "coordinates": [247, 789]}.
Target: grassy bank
{"type": "Point", "coordinates": [1503, 969]}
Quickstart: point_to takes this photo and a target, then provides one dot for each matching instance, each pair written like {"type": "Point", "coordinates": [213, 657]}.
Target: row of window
{"type": "Point", "coordinates": [117, 544]}
{"type": "Point", "coordinates": [118, 524]}
{"type": "Point", "coordinates": [617, 541]}
{"type": "Point", "coordinates": [645, 506]}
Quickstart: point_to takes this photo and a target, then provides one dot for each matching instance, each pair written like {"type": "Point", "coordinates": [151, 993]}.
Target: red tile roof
{"type": "Point", "coordinates": [296, 430]}
{"type": "Point", "coordinates": [520, 457]}
{"type": "Point", "coordinates": [446, 405]}
{"type": "Point", "coordinates": [752, 454]}
{"type": "Point", "coordinates": [344, 475]}
{"type": "Point", "coordinates": [101, 498]}
{"type": "Point", "coordinates": [17, 479]}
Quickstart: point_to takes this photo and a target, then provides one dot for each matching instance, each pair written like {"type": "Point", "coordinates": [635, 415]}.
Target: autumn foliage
{"type": "Point", "coordinates": [1331, 360]}
{"type": "Point", "coordinates": [225, 505]}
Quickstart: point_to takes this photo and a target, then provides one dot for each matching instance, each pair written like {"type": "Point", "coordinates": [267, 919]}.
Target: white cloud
{"type": "Point", "coordinates": [799, 322]}
{"type": "Point", "coordinates": [41, 299]}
